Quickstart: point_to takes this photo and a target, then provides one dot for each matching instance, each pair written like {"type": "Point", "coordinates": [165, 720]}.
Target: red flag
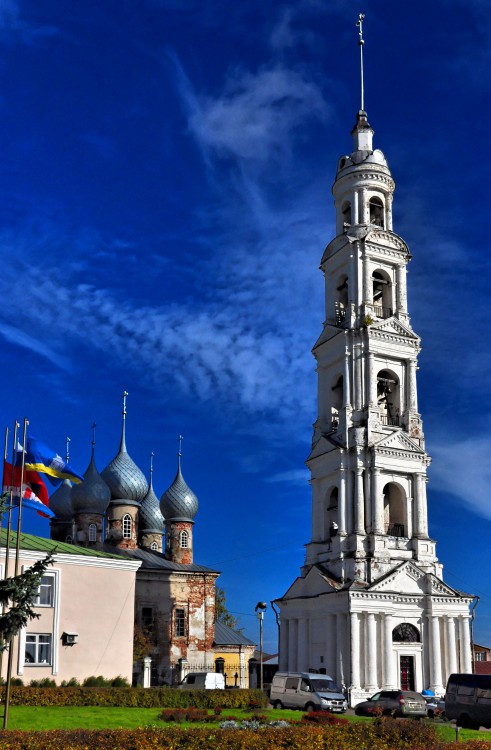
{"type": "Point", "coordinates": [11, 478]}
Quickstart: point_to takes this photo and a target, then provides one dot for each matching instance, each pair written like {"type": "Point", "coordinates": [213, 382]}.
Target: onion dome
{"type": "Point", "coordinates": [60, 501]}
{"type": "Point", "coordinates": [123, 477]}
{"type": "Point", "coordinates": [179, 503]}
{"type": "Point", "coordinates": [150, 518]}
{"type": "Point", "coordinates": [92, 495]}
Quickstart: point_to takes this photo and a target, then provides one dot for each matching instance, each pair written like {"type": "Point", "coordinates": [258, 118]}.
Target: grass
{"type": "Point", "coordinates": [101, 717]}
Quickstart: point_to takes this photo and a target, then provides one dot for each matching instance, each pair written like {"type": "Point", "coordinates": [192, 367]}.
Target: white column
{"type": "Point", "coordinates": [465, 645]}
{"type": "Point", "coordinates": [435, 655]}
{"type": "Point", "coordinates": [242, 676]}
{"type": "Point", "coordinates": [342, 500]}
{"type": "Point", "coordinates": [372, 681]}
{"type": "Point", "coordinates": [292, 645]}
{"type": "Point", "coordinates": [377, 502]}
{"type": "Point", "coordinates": [372, 381]}
{"type": "Point", "coordinates": [355, 650]}
{"type": "Point", "coordinates": [388, 213]}
{"type": "Point", "coordinates": [412, 399]}
{"type": "Point", "coordinates": [452, 660]}
{"type": "Point", "coordinates": [346, 379]}
{"type": "Point", "coordinates": [359, 502]}
{"type": "Point", "coordinates": [364, 213]}
{"type": "Point", "coordinates": [283, 663]}
{"type": "Point", "coordinates": [389, 672]}
{"type": "Point", "coordinates": [368, 500]}
{"type": "Point", "coordinates": [418, 505]}
{"type": "Point", "coordinates": [303, 645]}
{"type": "Point", "coordinates": [401, 294]}
{"type": "Point", "coordinates": [358, 400]}
{"type": "Point", "coordinates": [354, 208]}
{"type": "Point", "coordinates": [349, 502]}
{"type": "Point", "coordinates": [340, 640]}
{"type": "Point", "coordinates": [367, 281]}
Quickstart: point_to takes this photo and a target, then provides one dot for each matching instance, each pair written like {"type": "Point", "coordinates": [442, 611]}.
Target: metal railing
{"type": "Point", "coordinates": [389, 421]}
{"type": "Point", "coordinates": [340, 316]}
{"type": "Point", "coordinates": [396, 529]}
{"type": "Point", "coordinates": [382, 312]}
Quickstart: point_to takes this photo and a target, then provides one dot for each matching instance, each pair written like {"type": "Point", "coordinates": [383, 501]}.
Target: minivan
{"type": "Point", "coordinates": [203, 681]}
{"type": "Point", "coordinates": [307, 691]}
{"type": "Point", "coordinates": [468, 700]}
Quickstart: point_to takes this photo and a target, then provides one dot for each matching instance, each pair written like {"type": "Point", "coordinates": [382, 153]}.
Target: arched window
{"type": "Point", "coordinates": [346, 211]}
{"type": "Point", "coordinates": [377, 212]}
{"type": "Point", "coordinates": [220, 665]}
{"type": "Point", "coordinates": [341, 302]}
{"type": "Point", "coordinates": [406, 633]}
{"type": "Point", "coordinates": [127, 526]}
{"type": "Point", "coordinates": [337, 390]}
{"type": "Point", "coordinates": [382, 294]}
{"type": "Point", "coordinates": [154, 547]}
{"type": "Point", "coordinates": [184, 539]}
{"type": "Point", "coordinates": [332, 513]}
{"type": "Point", "coordinates": [395, 517]}
{"type": "Point", "coordinates": [389, 398]}
{"type": "Point", "coordinates": [92, 532]}
{"type": "Point", "coordinates": [68, 539]}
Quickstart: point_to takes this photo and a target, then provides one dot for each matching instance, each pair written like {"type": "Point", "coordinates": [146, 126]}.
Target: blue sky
{"type": "Point", "coordinates": [165, 177]}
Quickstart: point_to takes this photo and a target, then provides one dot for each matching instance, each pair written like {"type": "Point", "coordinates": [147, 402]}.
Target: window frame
{"type": "Point", "coordinates": [180, 622]}
{"type": "Point", "coordinates": [37, 648]}
{"type": "Point", "coordinates": [52, 583]}
{"type": "Point", "coordinates": [127, 526]}
{"type": "Point", "coordinates": [184, 539]}
{"type": "Point", "coordinates": [92, 532]}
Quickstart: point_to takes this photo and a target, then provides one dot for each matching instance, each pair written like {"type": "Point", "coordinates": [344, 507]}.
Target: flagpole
{"type": "Point", "coordinates": [11, 501]}
{"type": "Point", "coordinates": [5, 452]}
{"type": "Point", "coordinates": [16, 572]}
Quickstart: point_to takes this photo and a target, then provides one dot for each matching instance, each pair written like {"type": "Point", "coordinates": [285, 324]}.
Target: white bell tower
{"type": "Point", "coordinates": [370, 606]}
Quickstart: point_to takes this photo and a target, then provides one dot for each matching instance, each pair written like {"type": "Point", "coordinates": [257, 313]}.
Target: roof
{"type": "Point", "coordinates": [157, 561]}
{"type": "Point", "coordinates": [225, 636]}
{"type": "Point", "coordinates": [40, 544]}
{"type": "Point", "coordinates": [482, 667]}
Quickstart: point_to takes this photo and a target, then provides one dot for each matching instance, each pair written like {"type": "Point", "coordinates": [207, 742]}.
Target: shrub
{"type": "Point", "coordinates": [217, 710]}
{"type": "Point", "coordinates": [103, 682]}
{"type": "Point", "coordinates": [322, 717]}
{"type": "Point", "coordinates": [46, 682]}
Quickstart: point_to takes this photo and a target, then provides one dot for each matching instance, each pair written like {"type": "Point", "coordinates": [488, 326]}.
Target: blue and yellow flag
{"type": "Point", "coordinates": [38, 457]}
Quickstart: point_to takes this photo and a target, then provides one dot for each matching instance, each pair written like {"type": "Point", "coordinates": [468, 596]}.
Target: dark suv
{"type": "Point", "coordinates": [394, 703]}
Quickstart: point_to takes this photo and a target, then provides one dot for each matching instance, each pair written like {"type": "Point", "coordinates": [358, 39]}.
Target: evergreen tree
{"type": "Point", "coordinates": [221, 612]}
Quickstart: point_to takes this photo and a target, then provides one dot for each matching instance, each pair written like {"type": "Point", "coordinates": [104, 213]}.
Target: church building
{"type": "Point", "coordinates": [370, 606]}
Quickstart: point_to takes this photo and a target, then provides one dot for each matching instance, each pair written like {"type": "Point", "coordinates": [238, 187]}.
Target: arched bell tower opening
{"type": "Point", "coordinates": [337, 390]}
{"type": "Point", "coordinates": [389, 398]}
{"type": "Point", "coordinates": [341, 302]}
{"type": "Point", "coordinates": [382, 294]}
{"type": "Point", "coordinates": [331, 515]}
{"type": "Point", "coordinates": [376, 210]}
{"type": "Point", "coordinates": [395, 510]}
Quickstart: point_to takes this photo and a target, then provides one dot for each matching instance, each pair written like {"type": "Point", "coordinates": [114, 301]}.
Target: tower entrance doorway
{"type": "Point", "coordinates": [407, 672]}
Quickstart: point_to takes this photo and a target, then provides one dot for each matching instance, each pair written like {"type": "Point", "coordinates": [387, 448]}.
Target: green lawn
{"type": "Point", "coordinates": [95, 717]}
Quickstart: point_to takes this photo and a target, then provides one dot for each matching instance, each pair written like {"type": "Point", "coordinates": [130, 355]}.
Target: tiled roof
{"type": "Point", "coordinates": [40, 544]}
{"type": "Point", "coordinates": [225, 636]}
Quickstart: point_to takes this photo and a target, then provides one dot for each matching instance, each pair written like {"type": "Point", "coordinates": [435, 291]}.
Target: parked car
{"type": "Point", "coordinates": [395, 703]}
{"type": "Point", "coordinates": [203, 681]}
{"type": "Point", "coordinates": [468, 700]}
{"type": "Point", "coordinates": [307, 691]}
{"type": "Point", "coordinates": [435, 706]}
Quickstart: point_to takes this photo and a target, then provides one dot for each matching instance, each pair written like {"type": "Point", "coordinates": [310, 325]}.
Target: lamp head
{"type": "Point", "coordinates": [260, 606]}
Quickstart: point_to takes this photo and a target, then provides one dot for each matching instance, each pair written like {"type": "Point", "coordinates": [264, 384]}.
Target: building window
{"type": "Point", "coordinates": [406, 633]}
{"type": "Point", "coordinates": [480, 656]}
{"type": "Point", "coordinates": [154, 547]}
{"type": "Point", "coordinates": [147, 618]}
{"type": "Point", "coordinates": [46, 592]}
{"type": "Point", "coordinates": [38, 648]}
{"type": "Point", "coordinates": [180, 623]}
{"type": "Point", "coordinates": [184, 539]}
{"type": "Point", "coordinates": [69, 539]}
{"type": "Point", "coordinates": [92, 532]}
{"type": "Point", "coordinates": [127, 526]}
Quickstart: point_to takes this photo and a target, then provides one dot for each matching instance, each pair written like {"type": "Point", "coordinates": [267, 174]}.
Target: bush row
{"type": "Point", "coordinates": [134, 697]}
{"type": "Point", "coordinates": [376, 735]}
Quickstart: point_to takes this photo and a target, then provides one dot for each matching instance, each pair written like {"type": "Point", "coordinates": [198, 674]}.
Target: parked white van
{"type": "Point", "coordinates": [307, 691]}
{"type": "Point", "coordinates": [203, 681]}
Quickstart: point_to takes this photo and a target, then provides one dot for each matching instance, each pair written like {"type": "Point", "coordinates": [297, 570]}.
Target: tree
{"type": "Point", "coordinates": [221, 612]}
{"type": "Point", "coordinates": [20, 592]}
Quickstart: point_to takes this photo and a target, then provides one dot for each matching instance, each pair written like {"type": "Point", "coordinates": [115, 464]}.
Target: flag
{"type": "Point", "coordinates": [33, 485]}
{"type": "Point", "coordinates": [31, 500]}
{"type": "Point", "coordinates": [38, 457]}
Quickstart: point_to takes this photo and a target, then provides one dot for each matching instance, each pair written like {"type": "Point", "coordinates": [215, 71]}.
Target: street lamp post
{"type": "Point", "coordinates": [260, 607]}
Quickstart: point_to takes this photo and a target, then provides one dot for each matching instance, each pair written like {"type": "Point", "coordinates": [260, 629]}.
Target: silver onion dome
{"type": "Point", "coordinates": [179, 503]}
{"type": "Point", "coordinates": [61, 503]}
{"type": "Point", "coordinates": [150, 518]}
{"type": "Point", "coordinates": [123, 477]}
{"type": "Point", "coordinates": [92, 495]}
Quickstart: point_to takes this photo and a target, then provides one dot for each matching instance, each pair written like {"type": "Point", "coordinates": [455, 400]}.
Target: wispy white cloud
{"type": "Point", "coordinates": [257, 115]}
{"type": "Point", "coordinates": [294, 476]}
{"type": "Point", "coordinates": [463, 469]}
{"type": "Point", "coordinates": [14, 26]}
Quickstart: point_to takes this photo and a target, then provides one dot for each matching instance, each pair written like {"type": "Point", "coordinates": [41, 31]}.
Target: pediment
{"type": "Point", "coordinates": [323, 445]}
{"type": "Point", "coordinates": [399, 440]}
{"type": "Point", "coordinates": [408, 578]}
{"type": "Point", "coordinates": [394, 327]}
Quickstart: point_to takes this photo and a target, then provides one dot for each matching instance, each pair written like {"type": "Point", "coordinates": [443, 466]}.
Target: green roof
{"type": "Point", "coordinates": [40, 544]}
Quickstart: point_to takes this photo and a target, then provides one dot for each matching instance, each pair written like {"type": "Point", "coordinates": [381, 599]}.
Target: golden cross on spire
{"type": "Point", "coordinates": [94, 425]}
{"type": "Point", "coordinates": [68, 441]}
{"type": "Point", "coordinates": [125, 394]}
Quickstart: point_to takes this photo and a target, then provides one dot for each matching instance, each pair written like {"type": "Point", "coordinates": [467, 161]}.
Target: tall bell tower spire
{"type": "Point", "coordinates": [371, 581]}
